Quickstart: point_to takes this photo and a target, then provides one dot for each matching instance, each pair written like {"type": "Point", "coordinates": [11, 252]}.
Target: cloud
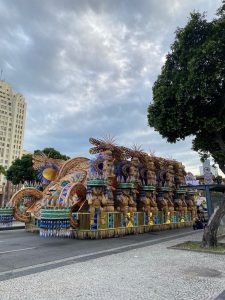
{"type": "Point", "coordinates": [86, 68]}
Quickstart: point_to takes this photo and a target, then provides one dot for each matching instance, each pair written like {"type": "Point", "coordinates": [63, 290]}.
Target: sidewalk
{"type": "Point", "coordinates": [152, 272]}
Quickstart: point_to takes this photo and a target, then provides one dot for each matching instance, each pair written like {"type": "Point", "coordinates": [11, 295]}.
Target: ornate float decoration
{"type": "Point", "coordinates": [47, 168]}
{"type": "Point", "coordinates": [191, 204]}
{"type": "Point", "coordinates": [23, 203]}
{"type": "Point", "coordinates": [118, 191]}
{"type": "Point", "coordinates": [148, 204]}
{"type": "Point", "coordinates": [6, 216]}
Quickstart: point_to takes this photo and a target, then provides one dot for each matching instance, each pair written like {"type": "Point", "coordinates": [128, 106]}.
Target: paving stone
{"type": "Point", "coordinates": [153, 272]}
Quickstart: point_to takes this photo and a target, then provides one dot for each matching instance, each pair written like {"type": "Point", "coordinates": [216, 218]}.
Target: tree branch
{"type": "Point", "coordinates": [220, 141]}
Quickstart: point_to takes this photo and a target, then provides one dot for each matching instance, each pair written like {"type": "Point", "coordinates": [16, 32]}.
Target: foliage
{"type": "Point", "coordinates": [189, 94]}
{"type": "Point", "coordinates": [21, 170]}
{"type": "Point", "coordinates": [51, 152]}
{"type": "Point", "coordinates": [2, 170]}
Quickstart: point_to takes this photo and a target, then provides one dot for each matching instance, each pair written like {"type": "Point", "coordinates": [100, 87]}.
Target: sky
{"type": "Point", "coordinates": [86, 69]}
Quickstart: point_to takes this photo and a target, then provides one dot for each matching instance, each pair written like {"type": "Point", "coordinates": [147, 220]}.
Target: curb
{"type": "Point", "coordinates": [176, 247]}
{"type": "Point", "coordinates": [12, 228]}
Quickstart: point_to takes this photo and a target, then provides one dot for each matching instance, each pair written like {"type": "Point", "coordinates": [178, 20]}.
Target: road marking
{"type": "Point", "coordinates": [6, 231]}
{"type": "Point", "coordinates": [63, 260]}
{"type": "Point", "coordinates": [16, 250]}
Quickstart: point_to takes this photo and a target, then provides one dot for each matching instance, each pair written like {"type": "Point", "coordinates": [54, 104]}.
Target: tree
{"type": "Point", "coordinates": [189, 94]}
{"type": "Point", "coordinates": [21, 170]}
{"type": "Point", "coordinates": [210, 232]}
{"type": "Point", "coordinates": [51, 152]}
{"type": "Point", "coordinates": [2, 170]}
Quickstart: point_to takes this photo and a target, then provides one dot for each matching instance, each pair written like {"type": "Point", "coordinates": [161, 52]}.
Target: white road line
{"type": "Point", "coordinates": [14, 271]}
{"type": "Point", "coordinates": [16, 250]}
{"type": "Point", "coordinates": [12, 230]}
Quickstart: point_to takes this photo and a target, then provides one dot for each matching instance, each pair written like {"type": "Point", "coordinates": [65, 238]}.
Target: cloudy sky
{"type": "Point", "coordinates": [86, 68]}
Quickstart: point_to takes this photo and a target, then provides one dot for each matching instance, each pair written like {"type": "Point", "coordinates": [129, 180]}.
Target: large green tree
{"type": "Point", "coordinates": [189, 94]}
{"type": "Point", "coordinates": [51, 152]}
{"type": "Point", "coordinates": [2, 170]}
{"type": "Point", "coordinates": [22, 170]}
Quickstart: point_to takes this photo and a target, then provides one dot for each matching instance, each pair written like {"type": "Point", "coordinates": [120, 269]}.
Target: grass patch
{"type": "Point", "coordinates": [196, 246]}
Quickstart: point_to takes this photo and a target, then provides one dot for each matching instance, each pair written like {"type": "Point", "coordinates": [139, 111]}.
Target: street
{"type": "Point", "coordinates": [23, 253]}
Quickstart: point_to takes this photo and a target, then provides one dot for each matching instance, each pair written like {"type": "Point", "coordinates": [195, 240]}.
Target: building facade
{"type": "Point", "coordinates": [213, 169]}
{"type": "Point", "coordinates": [25, 152]}
{"type": "Point", "coordinates": [12, 125]}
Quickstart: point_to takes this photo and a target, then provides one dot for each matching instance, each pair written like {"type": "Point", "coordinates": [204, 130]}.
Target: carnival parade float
{"type": "Point", "coordinates": [118, 191]}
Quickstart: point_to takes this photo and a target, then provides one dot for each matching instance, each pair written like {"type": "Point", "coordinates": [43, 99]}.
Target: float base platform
{"type": "Point", "coordinates": [115, 232]}
{"type": "Point", "coordinates": [119, 232]}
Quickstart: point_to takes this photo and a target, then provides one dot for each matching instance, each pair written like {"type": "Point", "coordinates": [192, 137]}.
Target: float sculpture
{"type": "Point", "coordinates": [119, 191]}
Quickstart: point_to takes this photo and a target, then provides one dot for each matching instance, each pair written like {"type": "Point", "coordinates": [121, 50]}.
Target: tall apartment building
{"type": "Point", "coordinates": [12, 124]}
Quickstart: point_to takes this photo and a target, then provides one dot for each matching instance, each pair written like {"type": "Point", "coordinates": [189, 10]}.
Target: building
{"type": "Point", "coordinates": [213, 169]}
{"type": "Point", "coordinates": [25, 152]}
{"type": "Point", "coordinates": [12, 124]}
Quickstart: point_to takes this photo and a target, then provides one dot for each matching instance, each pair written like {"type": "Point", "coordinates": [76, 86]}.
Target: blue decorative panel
{"type": "Point", "coordinates": [188, 217]}
{"type": "Point", "coordinates": [158, 219]}
{"type": "Point", "coordinates": [75, 216]}
{"type": "Point", "coordinates": [145, 218]}
{"type": "Point", "coordinates": [95, 225]}
{"type": "Point", "coordinates": [123, 224]}
{"type": "Point", "coordinates": [155, 218]}
{"type": "Point", "coordinates": [37, 222]}
{"type": "Point", "coordinates": [174, 219]}
{"type": "Point", "coordinates": [135, 219]}
{"type": "Point", "coordinates": [110, 220]}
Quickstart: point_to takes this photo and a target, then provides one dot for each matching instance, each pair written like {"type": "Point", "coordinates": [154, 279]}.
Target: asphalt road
{"type": "Point", "coordinates": [23, 253]}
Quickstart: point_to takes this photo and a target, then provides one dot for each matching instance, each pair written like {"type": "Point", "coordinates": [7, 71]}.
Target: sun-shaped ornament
{"type": "Point", "coordinates": [47, 173]}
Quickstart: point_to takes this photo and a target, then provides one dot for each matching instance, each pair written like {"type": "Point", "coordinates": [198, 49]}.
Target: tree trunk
{"type": "Point", "coordinates": [222, 168]}
{"type": "Point", "coordinates": [220, 141]}
{"type": "Point", "coordinates": [210, 233]}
